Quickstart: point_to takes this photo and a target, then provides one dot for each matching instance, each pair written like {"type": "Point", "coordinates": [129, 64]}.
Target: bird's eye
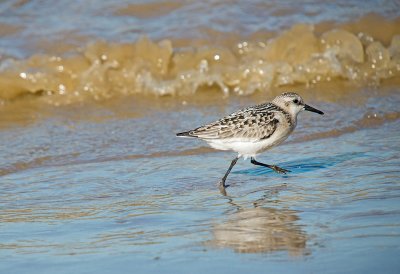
{"type": "Point", "coordinates": [295, 101]}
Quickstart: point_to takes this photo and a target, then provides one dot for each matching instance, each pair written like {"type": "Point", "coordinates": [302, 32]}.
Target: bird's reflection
{"type": "Point", "coordinates": [260, 230]}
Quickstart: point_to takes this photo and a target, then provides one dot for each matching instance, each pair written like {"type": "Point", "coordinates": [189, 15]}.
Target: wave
{"type": "Point", "coordinates": [304, 54]}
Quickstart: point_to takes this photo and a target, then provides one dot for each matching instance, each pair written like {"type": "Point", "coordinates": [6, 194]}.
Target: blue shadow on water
{"type": "Point", "coordinates": [303, 165]}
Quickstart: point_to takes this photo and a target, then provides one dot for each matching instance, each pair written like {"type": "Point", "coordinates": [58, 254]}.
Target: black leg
{"type": "Point", "coordinates": [274, 168]}
{"type": "Point", "coordinates": [222, 183]}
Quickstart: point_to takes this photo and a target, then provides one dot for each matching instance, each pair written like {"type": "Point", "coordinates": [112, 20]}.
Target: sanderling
{"type": "Point", "coordinates": [253, 130]}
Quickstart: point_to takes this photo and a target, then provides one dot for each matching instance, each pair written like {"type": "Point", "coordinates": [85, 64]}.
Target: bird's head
{"type": "Point", "coordinates": [293, 103]}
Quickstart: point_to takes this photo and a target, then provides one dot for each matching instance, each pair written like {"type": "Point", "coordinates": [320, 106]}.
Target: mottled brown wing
{"type": "Point", "coordinates": [249, 125]}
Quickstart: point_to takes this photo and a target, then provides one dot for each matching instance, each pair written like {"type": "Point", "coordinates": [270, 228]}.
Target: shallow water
{"type": "Point", "coordinates": [96, 195]}
{"type": "Point", "coordinates": [95, 180]}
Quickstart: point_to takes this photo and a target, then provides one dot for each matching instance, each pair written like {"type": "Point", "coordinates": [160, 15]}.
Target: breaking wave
{"type": "Point", "coordinates": [304, 54]}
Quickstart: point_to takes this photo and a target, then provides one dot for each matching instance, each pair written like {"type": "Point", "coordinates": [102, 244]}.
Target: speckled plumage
{"type": "Point", "coordinates": [253, 123]}
{"type": "Point", "coordinates": [251, 130]}
{"type": "Point", "coordinates": [255, 129]}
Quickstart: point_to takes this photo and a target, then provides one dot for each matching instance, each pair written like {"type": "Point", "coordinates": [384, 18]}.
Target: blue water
{"type": "Point", "coordinates": [336, 212]}
{"type": "Point", "coordinates": [39, 24]}
{"type": "Point", "coordinates": [103, 185]}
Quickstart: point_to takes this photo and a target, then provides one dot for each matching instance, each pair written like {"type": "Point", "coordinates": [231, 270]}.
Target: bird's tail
{"type": "Point", "coordinates": [185, 134]}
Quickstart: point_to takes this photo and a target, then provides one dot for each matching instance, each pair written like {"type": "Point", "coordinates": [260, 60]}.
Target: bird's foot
{"type": "Point", "coordinates": [280, 170]}
{"type": "Point", "coordinates": [222, 187]}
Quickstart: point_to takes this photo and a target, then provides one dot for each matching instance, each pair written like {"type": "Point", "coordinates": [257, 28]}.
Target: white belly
{"type": "Point", "coordinates": [248, 148]}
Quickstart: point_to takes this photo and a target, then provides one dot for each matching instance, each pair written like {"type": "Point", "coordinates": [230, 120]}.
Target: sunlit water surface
{"type": "Point", "coordinates": [103, 195]}
{"type": "Point", "coordinates": [93, 179]}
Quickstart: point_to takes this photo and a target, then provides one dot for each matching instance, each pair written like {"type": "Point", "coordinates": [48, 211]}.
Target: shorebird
{"type": "Point", "coordinates": [253, 130]}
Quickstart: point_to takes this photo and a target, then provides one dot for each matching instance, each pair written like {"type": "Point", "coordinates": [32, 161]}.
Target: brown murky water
{"type": "Point", "coordinates": [92, 178]}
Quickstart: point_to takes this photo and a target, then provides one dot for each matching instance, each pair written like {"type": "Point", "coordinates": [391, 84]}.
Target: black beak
{"type": "Point", "coordinates": [308, 108]}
